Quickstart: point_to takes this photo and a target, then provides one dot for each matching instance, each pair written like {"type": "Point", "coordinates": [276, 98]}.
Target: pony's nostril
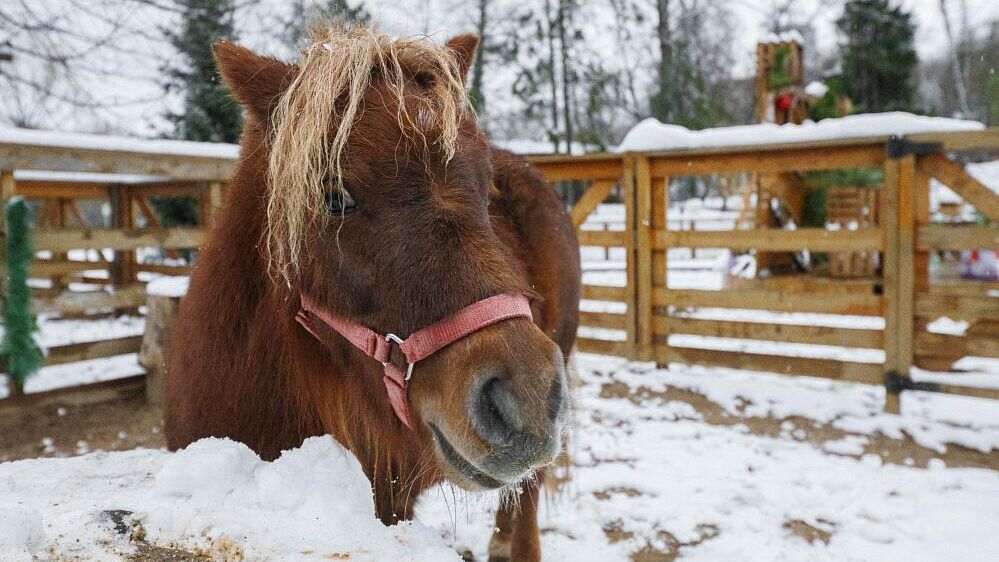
{"type": "Point", "coordinates": [498, 415]}
{"type": "Point", "coordinates": [556, 397]}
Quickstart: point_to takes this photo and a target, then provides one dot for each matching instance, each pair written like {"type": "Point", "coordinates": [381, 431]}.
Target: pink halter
{"type": "Point", "coordinates": [420, 344]}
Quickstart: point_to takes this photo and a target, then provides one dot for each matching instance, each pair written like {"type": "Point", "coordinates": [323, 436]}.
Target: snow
{"type": "Point", "coordinates": [168, 286]}
{"type": "Point", "coordinates": [312, 503]}
{"type": "Point", "coordinates": [816, 89]}
{"type": "Point", "coordinates": [84, 177]}
{"type": "Point", "coordinates": [784, 37]}
{"type": "Point", "coordinates": [647, 472]}
{"type": "Point", "coordinates": [650, 134]}
{"type": "Point", "coordinates": [15, 135]}
{"type": "Point", "coordinates": [672, 482]}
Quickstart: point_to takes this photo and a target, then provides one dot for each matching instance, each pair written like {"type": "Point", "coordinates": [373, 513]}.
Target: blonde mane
{"type": "Point", "coordinates": [313, 119]}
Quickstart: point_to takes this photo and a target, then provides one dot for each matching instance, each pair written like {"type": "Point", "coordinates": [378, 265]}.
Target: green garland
{"type": "Point", "coordinates": [23, 356]}
{"type": "Point", "coordinates": [780, 72]}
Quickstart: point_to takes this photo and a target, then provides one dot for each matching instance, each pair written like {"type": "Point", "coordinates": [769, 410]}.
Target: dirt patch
{"type": "Point", "coordinates": [895, 451]}
{"type": "Point", "coordinates": [809, 532]}
{"type": "Point", "coordinates": [60, 430]}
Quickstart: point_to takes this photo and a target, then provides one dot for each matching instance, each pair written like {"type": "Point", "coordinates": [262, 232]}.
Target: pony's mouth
{"type": "Point", "coordinates": [462, 466]}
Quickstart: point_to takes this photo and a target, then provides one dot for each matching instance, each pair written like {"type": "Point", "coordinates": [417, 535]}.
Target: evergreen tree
{"type": "Point", "coordinates": [209, 114]}
{"type": "Point", "coordinates": [879, 59]}
{"type": "Point", "coordinates": [19, 347]}
{"type": "Point", "coordinates": [305, 13]}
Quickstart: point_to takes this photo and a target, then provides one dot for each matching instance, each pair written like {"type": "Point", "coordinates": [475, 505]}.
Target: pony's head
{"type": "Point", "coordinates": [378, 187]}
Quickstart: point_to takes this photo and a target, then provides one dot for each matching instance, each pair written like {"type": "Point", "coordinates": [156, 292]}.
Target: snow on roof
{"type": "Point", "coordinates": [15, 135]}
{"type": "Point", "coordinates": [652, 135]}
{"type": "Point", "coordinates": [784, 37]}
{"type": "Point", "coordinates": [84, 177]}
{"type": "Point", "coordinates": [816, 89]}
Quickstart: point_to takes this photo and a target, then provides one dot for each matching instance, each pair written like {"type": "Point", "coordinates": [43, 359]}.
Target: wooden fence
{"type": "Point", "coordinates": [642, 317]}
{"type": "Point", "coordinates": [91, 263]}
{"type": "Point", "coordinates": [903, 294]}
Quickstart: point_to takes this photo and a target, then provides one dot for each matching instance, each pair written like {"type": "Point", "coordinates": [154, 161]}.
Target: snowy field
{"type": "Point", "coordinates": [649, 475]}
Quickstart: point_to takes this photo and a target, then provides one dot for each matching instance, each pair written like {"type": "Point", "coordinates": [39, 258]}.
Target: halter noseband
{"type": "Point", "coordinates": [419, 345]}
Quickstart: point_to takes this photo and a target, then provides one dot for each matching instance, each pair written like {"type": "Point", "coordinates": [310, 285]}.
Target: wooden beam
{"type": "Point", "coordinates": [791, 333]}
{"type": "Point", "coordinates": [603, 347]}
{"type": "Point", "coordinates": [61, 190]}
{"type": "Point", "coordinates": [570, 169]}
{"type": "Point", "coordinates": [791, 366]}
{"type": "Point", "coordinates": [73, 302]}
{"type": "Point", "coordinates": [591, 199]}
{"type": "Point", "coordinates": [607, 320]}
{"type": "Point", "coordinates": [603, 293]}
{"type": "Point", "coordinates": [958, 141]}
{"type": "Point", "coordinates": [65, 159]}
{"type": "Point", "coordinates": [761, 299]}
{"type": "Point", "coordinates": [628, 192]}
{"type": "Point", "coordinates": [787, 160]}
{"type": "Point", "coordinates": [604, 238]}
{"type": "Point", "coordinates": [166, 269]}
{"type": "Point", "coordinates": [774, 240]}
{"type": "Point", "coordinates": [957, 178]}
{"type": "Point", "coordinates": [119, 239]}
{"type": "Point", "coordinates": [93, 393]}
{"type": "Point", "coordinates": [958, 308]}
{"type": "Point", "coordinates": [92, 350]}
{"type": "Point", "coordinates": [940, 237]}
{"type": "Point", "coordinates": [890, 273]}
{"type": "Point", "coordinates": [48, 268]}
{"type": "Point", "coordinates": [643, 229]}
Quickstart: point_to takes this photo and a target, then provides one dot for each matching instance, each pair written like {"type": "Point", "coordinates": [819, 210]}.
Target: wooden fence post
{"type": "Point", "coordinates": [660, 263]}
{"type": "Point", "coordinates": [643, 227]}
{"type": "Point", "coordinates": [630, 289]}
{"type": "Point", "coordinates": [899, 275]}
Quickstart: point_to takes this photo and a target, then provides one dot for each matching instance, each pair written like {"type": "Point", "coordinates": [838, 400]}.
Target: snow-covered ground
{"type": "Point", "coordinates": [649, 475]}
{"type": "Point", "coordinates": [216, 497]}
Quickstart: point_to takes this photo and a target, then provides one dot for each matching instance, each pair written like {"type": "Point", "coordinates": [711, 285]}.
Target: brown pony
{"type": "Point", "coordinates": [365, 183]}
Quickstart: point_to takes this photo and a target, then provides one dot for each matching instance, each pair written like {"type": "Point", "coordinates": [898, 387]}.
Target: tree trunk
{"type": "Point", "coordinates": [475, 92]}
{"type": "Point", "coordinates": [665, 57]}
{"type": "Point", "coordinates": [563, 16]}
{"type": "Point", "coordinates": [551, 70]}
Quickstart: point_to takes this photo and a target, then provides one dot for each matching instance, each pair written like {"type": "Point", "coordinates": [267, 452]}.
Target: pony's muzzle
{"type": "Point", "coordinates": [523, 428]}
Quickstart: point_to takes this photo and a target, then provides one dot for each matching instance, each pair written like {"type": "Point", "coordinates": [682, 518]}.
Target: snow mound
{"type": "Point", "coordinates": [168, 286]}
{"type": "Point", "coordinates": [312, 503]}
{"type": "Point", "coordinates": [651, 134]}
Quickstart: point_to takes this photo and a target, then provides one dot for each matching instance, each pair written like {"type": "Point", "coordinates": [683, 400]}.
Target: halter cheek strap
{"type": "Point", "coordinates": [419, 345]}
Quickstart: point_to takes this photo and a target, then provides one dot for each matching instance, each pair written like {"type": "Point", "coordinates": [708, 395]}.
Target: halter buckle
{"type": "Point", "coordinates": [392, 338]}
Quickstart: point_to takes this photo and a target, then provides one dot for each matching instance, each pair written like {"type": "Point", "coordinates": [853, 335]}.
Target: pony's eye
{"type": "Point", "coordinates": [340, 202]}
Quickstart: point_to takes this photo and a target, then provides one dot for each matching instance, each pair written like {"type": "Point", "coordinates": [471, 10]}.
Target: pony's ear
{"type": "Point", "coordinates": [463, 47]}
{"type": "Point", "coordinates": [255, 81]}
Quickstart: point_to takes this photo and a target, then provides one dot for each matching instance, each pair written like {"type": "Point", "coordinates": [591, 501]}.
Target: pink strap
{"type": "Point", "coordinates": [420, 344]}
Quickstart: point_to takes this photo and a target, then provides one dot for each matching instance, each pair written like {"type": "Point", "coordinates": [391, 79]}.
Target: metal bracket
{"type": "Point", "coordinates": [895, 383]}
{"type": "Point", "coordinates": [898, 147]}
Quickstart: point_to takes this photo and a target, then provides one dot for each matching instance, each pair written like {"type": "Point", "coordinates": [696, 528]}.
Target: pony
{"type": "Point", "coordinates": [367, 205]}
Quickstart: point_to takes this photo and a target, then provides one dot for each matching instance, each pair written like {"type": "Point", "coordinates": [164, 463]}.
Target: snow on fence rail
{"type": "Point", "coordinates": [786, 324]}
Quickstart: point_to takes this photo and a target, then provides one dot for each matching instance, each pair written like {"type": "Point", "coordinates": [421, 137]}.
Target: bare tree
{"type": "Point", "coordinates": [957, 71]}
